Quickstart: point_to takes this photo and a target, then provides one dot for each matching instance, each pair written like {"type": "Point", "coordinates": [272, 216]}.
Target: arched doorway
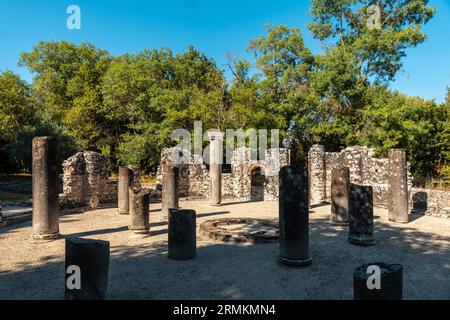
{"type": "Point", "coordinates": [257, 179]}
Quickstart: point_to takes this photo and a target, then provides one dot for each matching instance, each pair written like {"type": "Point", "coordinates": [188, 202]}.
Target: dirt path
{"type": "Point", "coordinates": [139, 268]}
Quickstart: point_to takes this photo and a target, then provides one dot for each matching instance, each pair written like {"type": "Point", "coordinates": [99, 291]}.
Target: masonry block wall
{"type": "Point", "coordinates": [364, 169]}
{"type": "Point", "coordinates": [86, 181]}
{"type": "Point", "coordinates": [194, 178]}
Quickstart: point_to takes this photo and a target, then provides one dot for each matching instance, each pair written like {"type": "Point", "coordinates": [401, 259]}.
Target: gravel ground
{"type": "Point", "coordinates": [140, 269]}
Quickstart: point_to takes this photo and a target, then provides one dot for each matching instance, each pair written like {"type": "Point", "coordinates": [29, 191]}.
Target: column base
{"type": "Point", "coordinates": [295, 262]}
{"type": "Point", "coordinates": [398, 221]}
{"type": "Point", "coordinates": [363, 241]}
{"type": "Point", "coordinates": [215, 204]}
{"type": "Point", "coordinates": [140, 233]}
{"type": "Point", "coordinates": [338, 223]}
{"type": "Point", "coordinates": [43, 238]}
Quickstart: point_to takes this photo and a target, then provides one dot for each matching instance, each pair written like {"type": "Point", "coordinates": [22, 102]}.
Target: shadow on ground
{"type": "Point", "coordinates": [231, 271]}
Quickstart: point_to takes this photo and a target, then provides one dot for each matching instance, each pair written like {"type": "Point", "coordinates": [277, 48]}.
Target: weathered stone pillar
{"type": "Point", "coordinates": [169, 196]}
{"type": "Point", "coordinates": [317, 174]}
{"type": "Point", "coordinates": [45, 190]}
{"type": "Point", "coordinates": [294, 217]}
{"type": "Point", "coordinates": [361, 215]}
{"type": "Point", "coordinates": [139, 211]}
{"type": "Point", "coordinates": [182, 234]}
{"type": "Point", "coordinates": [215, 168]}
{"type": "Point", "coordinates": [1, 215]}
{"type": "Point", "coordinates": [340, 183]}
{"type": "Point", "coordinates": [88, 259]}
{"type": "Point", "coordinates": [125, 180]}
{"type": "Point", "coordinates": [390, 286]}
{"type": "Point", "coordinates": [398, 186]}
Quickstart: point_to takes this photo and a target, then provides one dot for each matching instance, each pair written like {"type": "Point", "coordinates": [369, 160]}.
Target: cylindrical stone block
{"type": "Point", "coordinates": [45, 190]}
{"type": "Point", "coordinates": [87, 263]}
{"type": "Point", "coordinates": [124, 182]}
{"type": "Point", "coordinates": [340, 183]}
{"type": "Point", "coordinates": [169, 196]}
{"type": "Point", "coordinates": [215, 168]}
{"type": "Point", "coordinates": [398, 186]}
{"type": "Point", "coordinates": [361, 215]}
{"type": "Point", "coordinates": [294, 217]}
{"type": "Point", "coordinates": [139, 211]}
{"type": "Point", "coordinates": [389, 286]}
{"type": "Point", "coordinates": [182, 234]}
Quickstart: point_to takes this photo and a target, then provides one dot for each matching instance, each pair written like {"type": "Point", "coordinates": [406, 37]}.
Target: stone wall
{"type": "Point", "coordinates": [194, 175]}
{"type": "Point", "coordinates": [430, 202]}
{"type": "Point", "coordinates": [86, 181]}
{"type": "Point", "coordinates": [364, 169]}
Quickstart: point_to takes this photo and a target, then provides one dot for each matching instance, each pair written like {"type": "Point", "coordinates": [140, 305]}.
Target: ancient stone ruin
{"type": "Point", "coordinates": [86, 181]}
{"type": "Point", "coordinates": [365, 169]}
{"type": "Point", "coordinates": [248, 180]}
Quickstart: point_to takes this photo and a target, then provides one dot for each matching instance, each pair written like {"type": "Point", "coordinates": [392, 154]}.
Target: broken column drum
{"type": "Point", "coordinates": [125, 179]}
{"type": "Point", "coordinates": [361, 215]}
{"type": "Point", "coordinates": [182, 234]}
{"type": "Point", "coordinates": [398, 186]}
{"type": "Point", "coordinates": [88, 259]}
{"type": "Point", "coordinates": [294, 217]}
{"type": "Point", "coordinates": [389, 287]}
{"type": "Point", "coordinates": [340, 183]}
{"type": "Point", "coordinates": [45, 190]}
{"type": "Point", "coordinates": [215, 168]}
{"type": "Point", "coordinates": [139, 211]}
{"type": "Point", "coordinates": [169, 197]}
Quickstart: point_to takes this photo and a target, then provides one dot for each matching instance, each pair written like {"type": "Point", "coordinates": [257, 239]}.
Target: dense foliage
{"type": "Point", "coordinates": [127, 106]}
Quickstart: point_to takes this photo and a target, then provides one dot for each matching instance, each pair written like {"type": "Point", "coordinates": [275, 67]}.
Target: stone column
{"type": "Point", "coordinates": [125, 179]}
{"type": "Point", "coordinates": [139, 211]}
{"type": "Point", "coordinates": [294, 217]}
{"type": "Point", "coordinates": [215, 168]}
{"type": "Point", "coordinates": [88, 259]}
{"type": "Point", "coordinates": [398, 186]}
{"type": "Point", "coordinates": [361, 215]}
{"type": "Point", "coordinates": [182, 234]}
{"type": "Point", "coordinates": [340, 183]}
{"type": "Point", "coordinates": [390, 286]}
{"type": "Point", "coordinates": [317, 173]}
{"type": "Point", "coordinates": [1, 215]}
{"type": "Point", "coordinates": [169, 196]}
{"type": "Point", "coordinates": [45, 190]}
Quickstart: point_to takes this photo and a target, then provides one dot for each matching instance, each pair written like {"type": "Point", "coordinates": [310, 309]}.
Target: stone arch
{"type": "Point", "coordinates": [257, 182]}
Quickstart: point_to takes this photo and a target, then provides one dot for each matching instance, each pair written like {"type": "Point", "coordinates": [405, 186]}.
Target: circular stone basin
{"type": "Point", "coordinates": [240, 230]}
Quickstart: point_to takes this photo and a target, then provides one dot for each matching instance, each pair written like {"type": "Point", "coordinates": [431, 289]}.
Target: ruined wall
{"type": "Point", "coordinates": [194, 175]}
{"type": "Point", "coordinates": [364, 169]}
{"type": "Point", "coordinates": [430, 202]}
{"type": "Point", "coordinates": [86, 181]}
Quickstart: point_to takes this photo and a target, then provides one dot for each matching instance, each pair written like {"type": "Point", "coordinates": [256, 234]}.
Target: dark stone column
{"type": "Point", "coordinates": [45, 190]}
{"type": "Point", "coordinates": [361, 215]}
{"type": "Point", "coordinates": [125, 180]}
{"type": "Point", "coordinates": [398, 186]}
{"type": "Point", "coordinates": [391, 282]}
{"type": "Point", "coordinates": [294, 217]}
{"type": "Point", "coordinates": [182, 234]}
{"type": "Point", "coordinates": [169, 196]}
{"type": "Point", "coordinates": [139, 211]}
{"type": "Point", "coordinates": [340, 183]}
{"type": "Point", "coordinates": [92, 258]}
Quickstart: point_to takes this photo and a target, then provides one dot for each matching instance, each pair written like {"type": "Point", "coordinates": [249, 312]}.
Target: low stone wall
{"type": "Point", "coordinates": [430, 202]}
{"type": "Point", "coordinates": [194, 175]}
{"type": "Point", "coordinates": [364, 169]}
{"type": "Point", "coordinates": [86, 181]}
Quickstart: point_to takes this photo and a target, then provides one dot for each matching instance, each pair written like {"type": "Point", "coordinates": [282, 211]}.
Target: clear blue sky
{"type": "Point", "coordinates": [213, 27]}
